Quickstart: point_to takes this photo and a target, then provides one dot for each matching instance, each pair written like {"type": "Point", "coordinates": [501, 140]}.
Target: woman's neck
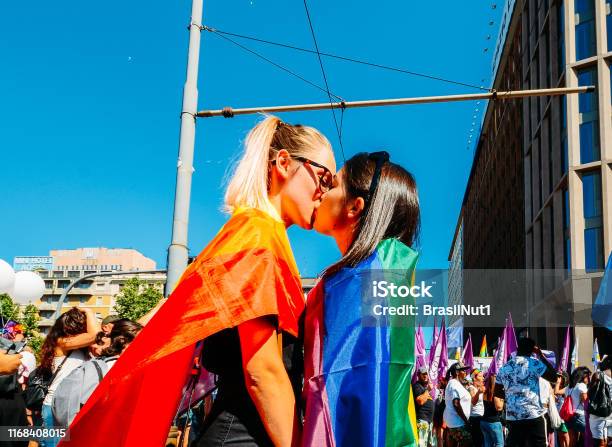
{"type": "Point", "coordinates": [275, 201]}
{"type": "Point", "coordinates": [344, 238]}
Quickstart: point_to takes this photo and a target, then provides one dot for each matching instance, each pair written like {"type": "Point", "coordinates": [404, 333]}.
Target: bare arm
{"type": "Point", "coordinates": [475, 392]}
{"type": "Point", "coordinates": [85, 339]}
{"type": "Point", "coordinates": [459, 410]}
{"type": "Point", "coordinates": [9, 363]}
{"type": "Point", "coordinates": [150, 314]}
{"type": "Point", "coordinates": [422, 398]}
{"type": "Point", "coordinates": [499, 403]}
{"type": "Point", "coordinates": [267, 380]}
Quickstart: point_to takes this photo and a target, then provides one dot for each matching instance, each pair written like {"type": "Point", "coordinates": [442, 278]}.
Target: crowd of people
{"type": "Point", "coordinates": [49, 393]}
{"type": "Point", "coordinates": [521, 405]}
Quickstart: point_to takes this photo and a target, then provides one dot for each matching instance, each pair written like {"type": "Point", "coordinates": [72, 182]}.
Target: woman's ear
{"type": "Point", "coordinates": [356, 208]}
{"type": "Point", "coordinates": [281, 162]}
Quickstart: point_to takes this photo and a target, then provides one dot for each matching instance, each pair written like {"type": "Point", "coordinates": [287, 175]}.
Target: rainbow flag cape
{"type": "Point", "coordinates": [357, 376]}
{"type": "Point", "coordinates": [483, 347]}
{"type": "Point", "coordinates": [246, 271]}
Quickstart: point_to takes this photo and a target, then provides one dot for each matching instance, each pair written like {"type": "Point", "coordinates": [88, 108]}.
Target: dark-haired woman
{"type": "Point", "coordinates": [64, 350]}
{"type": "Point", "coordinates": [358, 370]}
{"type": "Point", "coordinates": [490, 424]}
{"type": "Point", "coordinates": [123, 333]}
{"type": "Point", "coordinates": [579, 382]}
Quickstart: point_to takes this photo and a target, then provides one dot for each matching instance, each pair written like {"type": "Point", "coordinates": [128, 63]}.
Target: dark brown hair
{"type": "Point", "coordinates": [393, 211]}
{"type": "Point", "coordinates": [70, 323]}
{"type": "Point", "coordinates": [123, 333]}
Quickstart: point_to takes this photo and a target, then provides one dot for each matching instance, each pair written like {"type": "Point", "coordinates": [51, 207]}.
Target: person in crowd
{"type": "Point", "coordinates": [561, 390]}
{"type": "Point", "coordinates": [100, 344]}
{"type": "Point", "coordinates": [9, 363]}
{"type": "Point", "coordinates": [107, 323]}
{"type": "Point", "coordinates": [601, 426]}
{"type": "Point", "coordinates": [438, 419]}
{"type": "Point", "coordinates": [579, 382]}
{"type": "Point", "coordinates": [546, 391]}
{"type": "Point", "coordinates": [123, 333]}
{"type": "Point", "coordinates": [64, 349]}
{"type": "Point", "coordinates": [476, 389]}
{"type": "Point", "coordinates": [373, 214]}
{"type": "Point", "coordinates": [240, 301]}
{"type": "Point", "coordinates": [518, 383]}
{"type": "Point", "coordinates": [490, 424]}
{"type": "Point", "coordinates": [424, 406]}
{"type": "Point", "coordinates": [12, 405]}
{"type": "Point", "coordinates": [458, 407]}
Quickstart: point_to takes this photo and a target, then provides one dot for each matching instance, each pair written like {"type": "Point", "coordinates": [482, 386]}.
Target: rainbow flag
{"type": "Point", "coordinates": [247, 271]}
{"type": "Point", "coordinates": [483, 347]}
{"type": "Point", "coordinates": [357, 375]}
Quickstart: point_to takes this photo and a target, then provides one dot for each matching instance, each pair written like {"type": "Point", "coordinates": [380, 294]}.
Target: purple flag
{"type": "Point", "coordinates": [438, 359]}
{"type": "Point", "coordinates": [499, 355]}
{"type": "Point", "coordinates": [421, 340]}
{"type": "Point", "coordinates": [420, 353]}
{"type": "Point", "coordinates": [468, 354]}
{"type": "Point", "coordinates": [511, 344]}
{"type": "Point", "coordinates": [565, 355]}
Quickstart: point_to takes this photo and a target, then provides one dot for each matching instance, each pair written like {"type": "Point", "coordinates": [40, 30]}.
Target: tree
{"type": "Point", "coordinates": [8, 309]}
{"type": "Point", "coordinates": [29, 319]}
{"type": "Point", "coordinates": [136, 299]}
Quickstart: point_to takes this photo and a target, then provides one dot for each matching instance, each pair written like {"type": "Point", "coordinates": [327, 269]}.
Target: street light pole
{"type": "Point", "coordinates": [178, 251]}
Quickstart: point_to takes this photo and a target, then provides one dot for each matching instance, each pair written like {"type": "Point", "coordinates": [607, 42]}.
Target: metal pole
{"type": "Point", "coordinates": [228, 112]}
{"type": "Point", "coordinates": [58, 309]}
{"type": "Point", "coordinates": [178, 251]}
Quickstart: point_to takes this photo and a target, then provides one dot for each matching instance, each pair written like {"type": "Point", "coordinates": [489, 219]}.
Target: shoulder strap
{"type": "Point", "coordinates": [59, 368]}
{"type": "Point", "coordinates": [99, 371]}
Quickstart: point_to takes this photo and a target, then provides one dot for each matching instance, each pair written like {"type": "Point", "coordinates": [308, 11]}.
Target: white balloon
{"type": "Point", "coordinates": [7, 276]}
{"type": "Point", "coordinates": [29, 286]}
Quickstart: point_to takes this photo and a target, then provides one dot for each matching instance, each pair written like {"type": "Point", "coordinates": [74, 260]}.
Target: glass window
{"type": "Point", "coordinates": [585, 28]}
{"type": "Point", "coordinates": [609, 23]}
{"type": "Point", "coordinates": [563, 145]}
{"type": "Point", "coordinates": [593, 224]}
{"type": "Point", "coordinates": [589, 117]}
{"type": "Point", "coordinates": [561, 34]}
{"type": "Point", "coordinates": [566, 231]}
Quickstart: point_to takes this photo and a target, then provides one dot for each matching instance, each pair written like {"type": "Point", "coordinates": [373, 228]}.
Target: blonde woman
{"type": "Point", "coordinates": [242, 297]}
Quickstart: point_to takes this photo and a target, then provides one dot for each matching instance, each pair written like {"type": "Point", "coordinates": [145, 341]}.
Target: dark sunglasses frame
{"type": "Point", "coordinates": [324, 186]}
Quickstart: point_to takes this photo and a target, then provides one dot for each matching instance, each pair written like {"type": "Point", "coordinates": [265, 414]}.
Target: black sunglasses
{"type": "Point", "coordinates": [380, 158]}
{"type": "Point", "coordinates": [326, 180]}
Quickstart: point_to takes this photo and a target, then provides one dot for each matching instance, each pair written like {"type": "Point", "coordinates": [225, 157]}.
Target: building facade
{"type": "Point", "coordinates": [539, 196]}
{"type": "Point", "coordinates": [62, 267]}
{"type": "Point", "coordinates": [567, 147]}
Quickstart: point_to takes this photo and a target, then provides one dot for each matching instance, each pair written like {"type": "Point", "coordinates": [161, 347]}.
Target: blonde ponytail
{"type": "Point", "coordinates": [249, 183]}
{"type": "Point", "coordinates": [248, 186]}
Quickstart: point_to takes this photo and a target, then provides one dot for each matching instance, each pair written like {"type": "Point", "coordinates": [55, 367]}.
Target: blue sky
{"type": "Point", "coordinates": [91, 96]}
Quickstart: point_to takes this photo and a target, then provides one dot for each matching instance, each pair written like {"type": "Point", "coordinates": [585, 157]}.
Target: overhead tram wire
{"type": "Point", "coordinates": [279, 66]}
{"type": "Point", "coordinates": [338, 128]}
{"type": "Point", "coordinates": [347, 59]}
